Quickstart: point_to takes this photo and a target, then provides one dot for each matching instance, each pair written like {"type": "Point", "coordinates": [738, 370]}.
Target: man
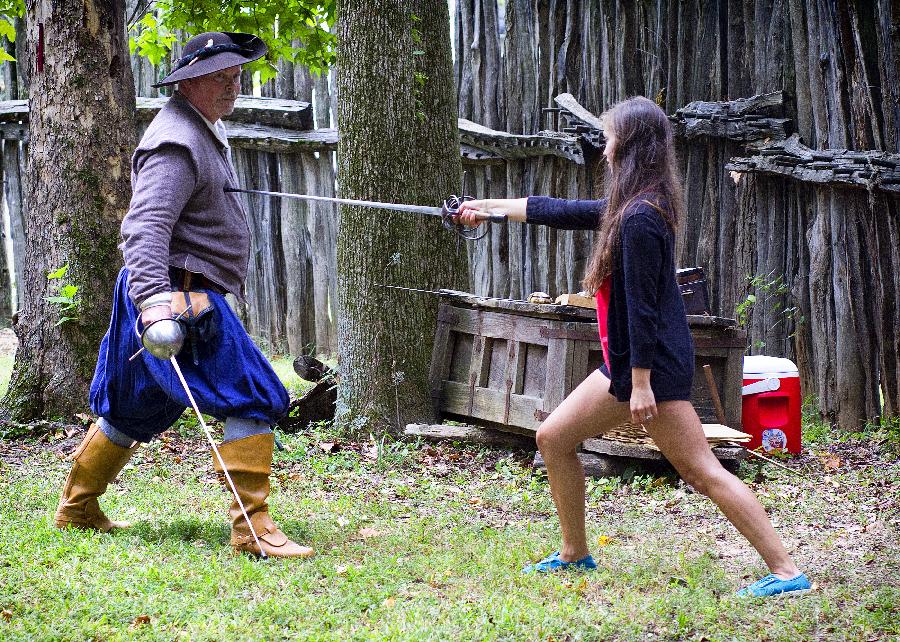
{"type": "Point", "coordinates": [186, 244]}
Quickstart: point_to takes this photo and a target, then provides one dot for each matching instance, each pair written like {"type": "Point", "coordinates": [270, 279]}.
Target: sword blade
{"type": "Point", "coordinates": [446, 292]}
{"type": "Point", "coordinates": [397, 207]}
{"type": "Point", "coordinates": [212, 443]}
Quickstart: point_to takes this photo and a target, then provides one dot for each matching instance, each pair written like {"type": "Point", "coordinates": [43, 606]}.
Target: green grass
{"type": "Point", "coordinates": [6, 366]}
{"type": "Point", "coordinates": [424, 542]}
{"type": "Point", "coordinates": [421, 542]}
{"type": "Point", "coordinates": [284, 368]}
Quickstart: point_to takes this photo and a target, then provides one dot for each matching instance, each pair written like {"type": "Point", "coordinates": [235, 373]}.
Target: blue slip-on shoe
{"type": "Point", "coordinates": [773, 585]}
{"type": "Point", "coordinates": [553, 563]}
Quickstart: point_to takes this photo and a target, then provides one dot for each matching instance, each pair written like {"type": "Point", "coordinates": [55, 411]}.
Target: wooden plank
{"type": "Point", "coordinates": [568, 102]}
{"type": "Point", "coordinates": [594, 465]}
{"type": "Point", "coordinates": [295, 245]}
{"type": "Point", "coordinates": [14, 111]}
{"type": "Point", "coordinates": [516, 146]}
{"type": "Point", "coordinates": [535, 374]}
{"type": "Point", "coordinates": [546, 311]}
{"type": "Point", "coordinates": [517, 368]}
{"type": "Point", "coordinates": [273, 112]}
{"type": "Point", "coordinates": [558, 382]}
{"type": "Point", "coordinates": [509, 376]}
{"type": "Point", "coordinates": [580, 362]}
{"type": "Point", "coordinates": [493, 325]}
{"type": "Point", "coordinates": [321, 221]}
{"type": "Point", "coordinates": [499, 358]}
{"type": "Point", "coordinates": [460, 356]}
{"type": "Point", "coordinates": [272, 139]}
{"type": "Point", "coordinates": [869, 170]}
{"type": "Point", "coordinates": [13, 171]}
{"type": "Point", "coordinates": [577, 300]}
{"type": "Point", "coordinates": [640, 451]}
{"type": "Point", "coordinates": [440, 362]}
{"type": "Point", "coordinates": [477, 367]}
{"type": "Point", "coordinates": [489, 405]}
{"type": "Point", "coordinates": [473, 434]}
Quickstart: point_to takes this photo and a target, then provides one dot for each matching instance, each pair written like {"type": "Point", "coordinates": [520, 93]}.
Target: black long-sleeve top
{"type": "Point", "coordinates": [646, 321]}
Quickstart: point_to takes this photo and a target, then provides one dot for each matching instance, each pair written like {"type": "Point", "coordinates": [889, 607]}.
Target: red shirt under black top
{"type": "Point", "coordinates": [645, 319]}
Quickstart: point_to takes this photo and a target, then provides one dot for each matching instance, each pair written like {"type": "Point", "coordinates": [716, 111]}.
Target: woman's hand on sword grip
{"type": "Point", "coordinates": [473, 213]}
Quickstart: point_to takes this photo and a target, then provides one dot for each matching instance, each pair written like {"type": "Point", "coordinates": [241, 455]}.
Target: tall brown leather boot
{"type": "Point", "coordinates": [96, 463]}
{"type": "Point", "coordinates": [249, 462]}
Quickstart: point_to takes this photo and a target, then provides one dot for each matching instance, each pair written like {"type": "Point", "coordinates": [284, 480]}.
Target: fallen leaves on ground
{"type": "Point", "coordinates": [829, 461]}
{"type": "Point", "coordinates": [139, 621]}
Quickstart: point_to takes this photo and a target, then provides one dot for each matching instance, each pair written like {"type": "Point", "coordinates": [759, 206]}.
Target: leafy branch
{"type": "Point", "coordinates": [9, 11]}
{"type": "Point", "coordinates": [765, 288]}
{"type": "Point", "coordinates": [295, 30]}
{"type": "Point", "coordinates": [66, 297]}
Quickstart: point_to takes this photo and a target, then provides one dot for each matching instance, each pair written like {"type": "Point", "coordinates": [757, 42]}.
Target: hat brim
{"type": "Point", "coordinates": [211, 65]}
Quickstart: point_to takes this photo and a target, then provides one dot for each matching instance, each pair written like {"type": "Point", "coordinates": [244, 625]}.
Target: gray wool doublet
{"type": "Point", "coordinates": [180, 215]}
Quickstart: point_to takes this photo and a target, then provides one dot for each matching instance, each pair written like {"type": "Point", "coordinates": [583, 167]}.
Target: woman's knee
{"type": "Point", "coordinates": [705, 479]}
{"type": "Point", "coordinates": [551, 439]}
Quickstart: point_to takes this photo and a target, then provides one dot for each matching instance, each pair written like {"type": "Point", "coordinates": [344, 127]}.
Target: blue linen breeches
{"type": "Point", "coordinates": [142, 398]}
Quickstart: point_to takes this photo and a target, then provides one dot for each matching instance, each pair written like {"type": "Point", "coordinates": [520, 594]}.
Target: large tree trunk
{"type": "Point", "coordinates": [399, 142]}
{"type": "Point", "coordinates": [77, 185]}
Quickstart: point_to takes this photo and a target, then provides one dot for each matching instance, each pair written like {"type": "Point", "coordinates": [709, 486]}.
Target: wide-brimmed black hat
{"type": "Point", "coordinates": [214, 51]}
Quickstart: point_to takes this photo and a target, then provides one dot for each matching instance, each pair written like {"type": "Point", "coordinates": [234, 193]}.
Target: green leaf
{"type": "Point", "coordinates": [6, 57]}
{"type": "Point", "coordinates": [68, 291]}
{"type": "Point", "coordinates": [8, 29]}
{"type": "Point", "coordinates": [58, 274]}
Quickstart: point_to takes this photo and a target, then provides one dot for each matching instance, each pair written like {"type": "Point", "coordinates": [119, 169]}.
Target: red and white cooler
{"type": "Point", "coordinates": [771, 403]}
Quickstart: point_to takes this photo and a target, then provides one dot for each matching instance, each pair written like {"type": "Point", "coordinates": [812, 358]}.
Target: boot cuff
{"type": "Point", "coordinates": [251, 454]}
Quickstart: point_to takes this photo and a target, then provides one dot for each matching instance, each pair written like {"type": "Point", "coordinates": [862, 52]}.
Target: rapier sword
{"type": "Point", "coordinates": [446, 212]}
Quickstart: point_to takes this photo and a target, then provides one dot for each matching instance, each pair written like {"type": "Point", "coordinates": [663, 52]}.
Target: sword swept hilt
{"type": "Point", "coordinates": [450, 211]}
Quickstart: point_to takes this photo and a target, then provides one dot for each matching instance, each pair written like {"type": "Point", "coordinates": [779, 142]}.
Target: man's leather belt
{"type": "Point", "coordinates": [185, 280]}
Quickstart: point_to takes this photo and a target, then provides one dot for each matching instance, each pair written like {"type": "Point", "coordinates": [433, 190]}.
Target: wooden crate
{"type": "Point", "coordinates": [508, 364]}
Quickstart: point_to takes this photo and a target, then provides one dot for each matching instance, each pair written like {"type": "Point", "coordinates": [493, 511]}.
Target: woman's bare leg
{"type": "Point", "coordinates": [588, 411]}
{"type": "Point", "coordinates": [678, 433]}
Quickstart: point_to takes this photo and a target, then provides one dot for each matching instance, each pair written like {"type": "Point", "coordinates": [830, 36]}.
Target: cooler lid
{"type": "Point", "coordinates": [759, 365]}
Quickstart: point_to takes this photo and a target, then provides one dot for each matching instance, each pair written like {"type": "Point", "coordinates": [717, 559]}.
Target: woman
{"type": "Point", "coordinates": [647, 347]}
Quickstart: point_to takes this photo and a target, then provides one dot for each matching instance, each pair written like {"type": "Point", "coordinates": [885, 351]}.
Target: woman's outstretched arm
{"type": "Point", "coordinates": [539, 210]}
{"type": "Point", "coordinates": [514, 208]}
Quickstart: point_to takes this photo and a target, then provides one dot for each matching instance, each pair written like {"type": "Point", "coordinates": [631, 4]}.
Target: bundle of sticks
{"type": "Point", "coordinates": [716, 435]}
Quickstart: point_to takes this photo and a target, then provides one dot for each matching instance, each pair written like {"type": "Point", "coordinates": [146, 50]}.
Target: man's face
{"type": "Point", "coordinates": [214, 94]}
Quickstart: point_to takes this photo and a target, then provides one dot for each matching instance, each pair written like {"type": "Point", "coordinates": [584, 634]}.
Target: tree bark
{"type": "Point", "coordinates": [77, 186]}
{"type": "Point", "coordinates": [399, 142]}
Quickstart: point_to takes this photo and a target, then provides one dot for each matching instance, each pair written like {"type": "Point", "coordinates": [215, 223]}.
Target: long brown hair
{"type": "Point", "coordinates": [642, 167]}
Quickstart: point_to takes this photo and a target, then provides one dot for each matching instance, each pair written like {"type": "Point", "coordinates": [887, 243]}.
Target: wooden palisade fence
{"type": "Point", "coordinates": [813, 240]}
{"type": "Point", "coordinates": [792, 195]}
